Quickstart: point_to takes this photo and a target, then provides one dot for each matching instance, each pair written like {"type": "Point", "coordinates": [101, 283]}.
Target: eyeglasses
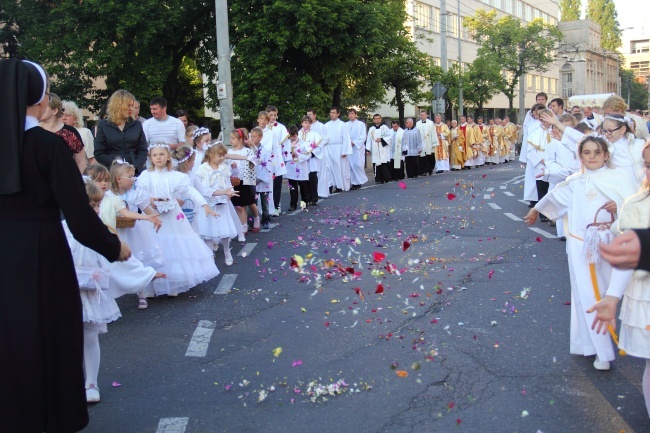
{"type": "Point", "coordinates": [609, 131]}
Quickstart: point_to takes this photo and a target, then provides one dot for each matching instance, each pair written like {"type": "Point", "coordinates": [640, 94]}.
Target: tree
{"type": "Point", "coordinates": [638, 91]}
{"type": "Point", "coordinates": [518, 48]}
{"type": "Point", "coordinates": [481, 82]}
{"type": "Point", "coordinates": [404, 71]}
{"type": "Point", "coordinates": [449, 79]}
{"type": "Point", "coordinates": [139, 46]}
{"type": "Point", "coordinates": [570, 10]}
{"type": "Point", "coordinates": [604, 13]}
{"type": "Point", "coordinates": [297, 54]}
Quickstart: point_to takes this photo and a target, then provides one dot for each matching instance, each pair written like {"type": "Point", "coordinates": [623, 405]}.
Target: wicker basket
{"type": "Point", "coordinates": [124, 223]}
{"type": "Point", "coordinates": [188, 209]}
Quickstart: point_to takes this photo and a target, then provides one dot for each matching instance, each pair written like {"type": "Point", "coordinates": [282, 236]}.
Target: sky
{"type": "Point", "coordinates": [633, 13]}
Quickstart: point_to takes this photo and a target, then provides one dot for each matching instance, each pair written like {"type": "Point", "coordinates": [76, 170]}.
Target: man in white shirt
{"type": "Point", "coordinates": [318, 169]}
{"type": "Point", "coordinates": [396, 164]}
{"type": "Point", "coordinates": [541, 99]}
{"type": "Point", "coordinates": [162, 128]}
{"type": "Point", "coordinates": [357, 131]}
{"type": "Point", "coordinates": [280, 134]}
{"type": "Point", "coordinates": [378, 147]}
{"type": "Point", "coordinates": [337, 151]}
{"type": "Point", "coordinates": [428, 159]}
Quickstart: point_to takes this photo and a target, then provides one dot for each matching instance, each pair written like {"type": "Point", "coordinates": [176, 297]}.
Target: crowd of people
{"type": "Point", "coordinates": [162, 197]}
{"type": "Point", "coordinates": [589, 174]}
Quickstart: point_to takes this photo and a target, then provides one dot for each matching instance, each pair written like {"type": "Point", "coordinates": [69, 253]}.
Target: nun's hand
{"type": "Point", "coordinates": [125, 252]}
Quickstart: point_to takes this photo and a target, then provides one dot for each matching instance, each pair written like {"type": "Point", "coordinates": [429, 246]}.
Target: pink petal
{"type": "Point", "coordinates": [402, 185]}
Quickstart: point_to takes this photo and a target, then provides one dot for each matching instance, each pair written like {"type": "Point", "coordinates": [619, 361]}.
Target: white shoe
{"type": "Point", "coordinates": [601, 365]}
{"type": "Point", "coordinates": [215, 247]}
{"type": "Point", "coordinates": [229, 260]}
{"type": "Point", "coordinates": [92, 394]}
{"type": "Point", "coordinates": [241, 238]}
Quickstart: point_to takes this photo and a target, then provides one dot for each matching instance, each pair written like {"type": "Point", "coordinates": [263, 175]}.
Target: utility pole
{"type": "Point", "coordinates": [443, 35]}
{"type": "Point", "coordinates": [460, 69]}
{"type": "Point", "coordinates": [224, 85]}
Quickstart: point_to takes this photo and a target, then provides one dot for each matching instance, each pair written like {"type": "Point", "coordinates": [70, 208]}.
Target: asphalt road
{"type": "Point", "coordinates": [471, 332]}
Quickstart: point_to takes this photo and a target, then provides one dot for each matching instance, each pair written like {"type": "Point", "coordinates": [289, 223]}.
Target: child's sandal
{"type": "Point", "coordinates": [142, 304]}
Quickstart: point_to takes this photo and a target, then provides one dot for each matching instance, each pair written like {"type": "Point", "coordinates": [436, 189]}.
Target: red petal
{"type": "Point", "coordinates": [402, 185]}
{"type": "Point", "coordinates": [538, 239]}
{"type": "Point", "coordinates": [380, 289]}
{"type": "Point", "coordinates": [349, 270]}
{"type": "Point", "coordinates": [378, 257]}
{"type": "Point", "coordinates": [451, 196]}
{"type": "Point", "coordinates": [405, 245]}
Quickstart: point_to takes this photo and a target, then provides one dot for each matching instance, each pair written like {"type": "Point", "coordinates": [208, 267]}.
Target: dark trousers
{"type": "Point", "coordinates": [431, 160]}
{"type": "Point", "coordinates": [396, 173]}
{"type": "Point", "coordinates": [382, 173]}
{"type": "Point", "coordinates": [264, 199]}
{"type": "Point", "coordinates": [277, 190]}
{"type": "Point", "coordinates": [294, 186]}
{"type": "Point", "coordinates": [542, 189]}
{"type": "Point", "coordinates": [424, 165]}
{"type": "Point", "coordinates": [412, 164]}
{"type": "Point", "coordinates": [313, 186]}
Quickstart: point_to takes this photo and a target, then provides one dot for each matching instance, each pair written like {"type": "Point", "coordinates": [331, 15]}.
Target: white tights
{"type": "Point", "coordinates": [91, 355]}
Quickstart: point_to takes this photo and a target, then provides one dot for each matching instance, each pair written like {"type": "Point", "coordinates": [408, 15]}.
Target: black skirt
{"type": "Point", "coordinates": [246, 195]}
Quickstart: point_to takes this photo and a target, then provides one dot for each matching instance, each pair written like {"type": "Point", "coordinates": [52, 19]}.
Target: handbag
{"type": "Point", "coordinates": [597, 233]}
{"type": "Point", "coordinates": [188, 209]}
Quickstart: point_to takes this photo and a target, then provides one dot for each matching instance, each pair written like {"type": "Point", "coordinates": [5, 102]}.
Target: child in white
{"type": "Point", "coordinates": [297, 154]}
{"type": "Point", "coordinates": [99, 282]}
{"type": "Point", "coordinates": [245, 172]}
{"type": "Point", "coordinates": [189, 260]}
{"type": "Point", "coordinates": [633, 286]}
{"type": "Point", "coordinates": [123, 194]}
{"type": "Point", "coordinates": [200, 137]}
{"type": "Point", "coordinates": [581, 197]}
{"type": "Point", "coordinates": [214, 175]}
{"type": "Point", "coordinates": [560, 162]}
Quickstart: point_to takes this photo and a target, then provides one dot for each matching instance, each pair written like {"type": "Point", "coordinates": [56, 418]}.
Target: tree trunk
{"type": "Point", "coordinates": [336, 97]}
{"type": "Point", "coordinates": [400, 104]}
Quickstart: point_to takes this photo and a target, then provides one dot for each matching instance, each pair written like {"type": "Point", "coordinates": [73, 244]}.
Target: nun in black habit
{"type": "Point", "coordinates": [41, 336]}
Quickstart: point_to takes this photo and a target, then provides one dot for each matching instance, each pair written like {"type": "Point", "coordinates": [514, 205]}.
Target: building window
{"type": "Point", "coordinates": [508, 7]}
{"type": "Point", "coordinates": [519, 8]}
{"type": "Point", "coordinates": [423, 16]}
{"type": "Point", "coordinates": [436, 20]}
{"type": "Point", "coordinates": [497, 4]}
{"type": "Point", "coordinates": [640, 46]}
{"type": "Point", "coordinates": [567, 80]}
{"type": "Point", "coordinates": [452, 25]}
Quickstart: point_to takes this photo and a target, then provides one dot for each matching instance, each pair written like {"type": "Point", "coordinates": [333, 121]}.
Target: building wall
{"type": "Point", "coordinates": [585, 67]}
{"type": "Point", "coordinates": [426, 25]}
{"type": "Point", "coordinates": [637, 58]}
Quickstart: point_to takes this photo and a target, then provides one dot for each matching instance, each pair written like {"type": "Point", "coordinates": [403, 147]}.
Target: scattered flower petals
{"type": "Point", "coordinates": [402, 373]}
{"type": "Point", "coordinates": [377, 257]}
{"type": "Point", "coordinates": [296, 363]}
{"type": "Point", "coordinates": [380, 289]}
{"type": "Point", "coordinates": [277, 351]}
{"type": "Point", "coordinates": [402, 185]}
{"type": "Point", "coordinates": [490, 274]}
{"type": "Point", "coordinates": [405, 245]}
{"type": "Point", "coordinates": [451, 196]}
{"type": "Point", "coordinates": [116, 384]}
{"type": "Point", "coordinates": [538, 239]}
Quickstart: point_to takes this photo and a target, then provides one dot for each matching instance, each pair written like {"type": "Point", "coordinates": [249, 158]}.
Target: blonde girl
{"type": "Point", "coordinates": [189, 261]}
{"type": "Point", "coordinates": [580, 198]}
{"type": "Point", "coordinates": [142, 237]}
{"type": "Point", "coordinates": [214, 175]}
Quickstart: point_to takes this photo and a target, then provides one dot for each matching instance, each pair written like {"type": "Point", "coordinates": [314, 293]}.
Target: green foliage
{"type": "Point", "coordinates": [481, 82]}
{"type": "Point", "coordinates": [403, 71]}
{"type": "Point", "coordinates": [570, 9]}
{"type": "Point", "coordinates": [638, 92]}
{"type": "Point", "coordinates": [518, 48]}
{"type": "Point", "coordinates": [604, 13]}
{"type": "Point", "coordinates": [297, 54]}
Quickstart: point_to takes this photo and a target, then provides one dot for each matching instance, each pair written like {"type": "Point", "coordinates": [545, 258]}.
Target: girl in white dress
{"type": "Point", "coordinates": [580, 198]}
{"type": "Point", "coordinates": [633, 286]}
{"type": "Point", "coordinates": [99, 283]}
{"type": "Point", "coordinates": [189, 261]}
{"type": "Point", "coordinates": [142, 237]}
{"type": "Point", "coordinates": [214, 174]}
{"type": "Point", "coordinates": [200, 138]}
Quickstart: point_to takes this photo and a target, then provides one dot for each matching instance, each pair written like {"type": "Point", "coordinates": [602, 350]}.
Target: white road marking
{"type": "Point", "coordinates": [201, 339]}
{"type": "Point", "coordinates": [543, 233]}
{"type": "Point", "coordinates": [248, 248]}
{"type": "Point", "coordinates": [518, 182]}
{"type": "Point", "coordinates": [297, 211]}
{"type": "Point", "coordinates": [490, 189]}
{"type": "Point", "coordinates": [226, 283]}
{"type": "Point", "coordinates": [512, 216]}
{"type": "Point", "coordinates": [494, 205]}
{"type": "Point", "coordinates": [487, 196]}
{"type": "Point", "coordinates": [523, 201]}
{"type": "Point", "coordinates": [508, 193]}
{"type": "Point", "coordinates": [515, 178]}
{"type": "Point", "coordinates": [369, 186]}
{"type": "Point", "coordinates": [503, 187]}
{"type": "Point", "coordinates": [269, 229]}
{"type": "Point", "coordinates": [172, 425]}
